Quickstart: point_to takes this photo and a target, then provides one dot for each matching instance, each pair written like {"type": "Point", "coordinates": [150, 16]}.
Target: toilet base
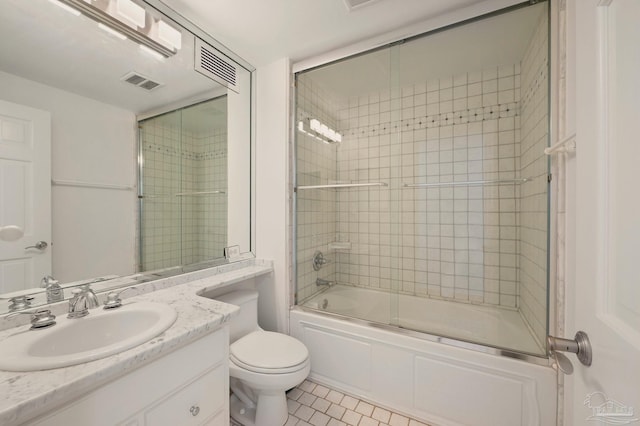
{"type": "Point", "coordinates": [271, 408]}
{"type": "Point", "coordinates": [240, 413]}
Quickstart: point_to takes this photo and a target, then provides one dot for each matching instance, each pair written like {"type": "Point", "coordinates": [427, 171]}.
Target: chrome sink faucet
{"type": "Point", "coordinates": [83, 299]}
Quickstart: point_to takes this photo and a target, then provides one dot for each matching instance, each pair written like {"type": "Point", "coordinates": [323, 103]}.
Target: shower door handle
{"type": "Point", "coordinates": [579, 345]}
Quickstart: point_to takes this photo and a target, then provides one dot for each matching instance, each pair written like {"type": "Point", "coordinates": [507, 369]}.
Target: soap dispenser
{"type": "Point", "coordinates": [53, 289]}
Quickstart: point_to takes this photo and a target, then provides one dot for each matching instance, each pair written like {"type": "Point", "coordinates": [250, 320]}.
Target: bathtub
{"type": "Point", "coordinates": [503, 328]}
{"type": "Point", "coordinates": [443, 381]}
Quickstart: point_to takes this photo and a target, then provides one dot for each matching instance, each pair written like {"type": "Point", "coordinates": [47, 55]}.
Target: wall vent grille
{"type": "Point", "coordinates": [140, 81]}
{"type": "Point", "coordinates": [210, 63]}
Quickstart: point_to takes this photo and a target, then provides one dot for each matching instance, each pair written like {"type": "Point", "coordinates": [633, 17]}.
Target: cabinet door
{"type": "Point", "coordinates": [220, 419]}
{"type": "Point", "coordinates": [193, 403]}
{"type": "Point", "coordinates": [126, 401]}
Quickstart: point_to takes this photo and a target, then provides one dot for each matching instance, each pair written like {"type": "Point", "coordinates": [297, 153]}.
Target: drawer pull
{"type": "Point", "coordinates": [194, 410]}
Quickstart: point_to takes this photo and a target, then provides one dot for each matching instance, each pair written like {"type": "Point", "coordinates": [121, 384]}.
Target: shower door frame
{"type": "Point", "coordinates": [364, 49]}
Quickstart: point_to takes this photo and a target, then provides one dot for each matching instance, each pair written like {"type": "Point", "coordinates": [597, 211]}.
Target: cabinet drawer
{"type": "Point", "coordinates": [192, 404]}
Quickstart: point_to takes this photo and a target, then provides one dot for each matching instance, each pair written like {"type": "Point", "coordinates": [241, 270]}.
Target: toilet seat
{"type": "Point", "coordinates": [269, 353]}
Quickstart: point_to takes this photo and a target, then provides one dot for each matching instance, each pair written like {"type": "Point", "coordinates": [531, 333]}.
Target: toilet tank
{"type": "Point", "coordinates": [247, 320]}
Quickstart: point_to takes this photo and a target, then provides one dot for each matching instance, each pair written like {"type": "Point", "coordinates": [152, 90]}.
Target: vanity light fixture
{"type": "Point", "coordinates": [320, 131]}
{"type": "Point", "coordinates": [130, 20]}
{"type": "Point", "coordinates": [131, 13]}
{"type": "Point", "coordinates": [169, 35]}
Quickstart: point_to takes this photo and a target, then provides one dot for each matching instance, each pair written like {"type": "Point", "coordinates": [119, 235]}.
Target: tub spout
{"type": "Point", "coordinates": [321, 282]}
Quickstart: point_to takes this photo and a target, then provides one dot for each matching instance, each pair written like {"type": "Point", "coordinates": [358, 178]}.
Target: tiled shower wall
{"type": "Point", "coordinates": [534, 165]}
{"type": "Point", "coordinates": [453, 242]}
{"type": "Point", "coordinates": [178, 230]}
{"type": "Point", "coordinates": [316, 208]}
{"type": "Point", "coordinates": [482, 244]}
{"type": "Point", "coordinates": [208, 224]}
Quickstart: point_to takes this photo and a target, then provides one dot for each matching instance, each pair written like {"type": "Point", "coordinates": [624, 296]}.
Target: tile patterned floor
{"type": "Point", "coordinates": [317, 405]}
{"type": "Point", "coordinates": [311, 404]}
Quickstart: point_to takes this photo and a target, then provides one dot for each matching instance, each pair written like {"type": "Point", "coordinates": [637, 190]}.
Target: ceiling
{"type": "Point", "coordinates": [48, 45]}
{"type": "Point", "coordinates": [261, 31]}
{"type": "Point", "coordinates": [42, 42]}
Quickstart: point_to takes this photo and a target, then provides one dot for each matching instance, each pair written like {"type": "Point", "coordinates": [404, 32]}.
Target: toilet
{"type": "Point", "coordinates": [263, 365]}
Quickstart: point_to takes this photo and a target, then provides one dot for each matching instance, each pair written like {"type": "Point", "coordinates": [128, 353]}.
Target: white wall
{"type": "Point", "coordinates": [272, 203]}
{"type": "Point", "coordinates": [239, 152]}
{"type": "Point", "coordinates": [93, 229]}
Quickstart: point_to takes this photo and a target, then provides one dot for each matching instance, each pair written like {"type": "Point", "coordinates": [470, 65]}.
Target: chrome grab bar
{"type": "Point", "coordinates": [341, 185]}
{"type": "Point", "coordinates": [467, 183]}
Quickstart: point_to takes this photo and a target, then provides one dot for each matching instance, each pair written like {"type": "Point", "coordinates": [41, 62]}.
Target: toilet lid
{"type": "Point", "coordinates": [268, 352]}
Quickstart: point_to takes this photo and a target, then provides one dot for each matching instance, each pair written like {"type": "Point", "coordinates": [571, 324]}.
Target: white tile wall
{"type": "Point", "coordinates": [187, 229]}
{"type": "Point", "coordinates": [451, 242]}
{"type": "Point", "coordinates": [534, 164]}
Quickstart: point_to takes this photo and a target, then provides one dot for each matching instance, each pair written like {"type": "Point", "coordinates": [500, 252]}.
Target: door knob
{"type": "Point", "coordinates": [40, 245]}
{"type": "Point", "coordinates": [579, 345]}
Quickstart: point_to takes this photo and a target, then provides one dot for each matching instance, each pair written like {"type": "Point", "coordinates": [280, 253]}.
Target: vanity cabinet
{"type": "Point", "coordinates": [187, 387]}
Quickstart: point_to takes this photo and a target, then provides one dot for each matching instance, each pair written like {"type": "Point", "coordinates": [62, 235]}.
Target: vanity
{"type": "Point", "coordinates": [179, 377]}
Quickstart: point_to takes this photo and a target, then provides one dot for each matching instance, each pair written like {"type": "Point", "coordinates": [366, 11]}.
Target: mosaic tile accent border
{"type": "Point", "coordinates": [470, 115]}
{"type": "Point", "coordinates": [179, 152]}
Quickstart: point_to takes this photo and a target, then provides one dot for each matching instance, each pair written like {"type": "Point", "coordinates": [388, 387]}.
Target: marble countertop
{"type": "Point", "coordinates": [29, 394]}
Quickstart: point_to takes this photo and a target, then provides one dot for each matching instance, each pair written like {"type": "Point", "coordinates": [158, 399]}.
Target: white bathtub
{"type": "Point", "coordinates": [502, 328]}
{"type": "Point", "coordinates": [422, 376]}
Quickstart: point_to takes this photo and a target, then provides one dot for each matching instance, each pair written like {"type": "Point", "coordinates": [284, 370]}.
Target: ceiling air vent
{"type": "Point", "coordinates": [210, 63]}
{"type": "Point", "coordinates": [357, 4]}
{"type": "Point", "coordinates": [141, 81]}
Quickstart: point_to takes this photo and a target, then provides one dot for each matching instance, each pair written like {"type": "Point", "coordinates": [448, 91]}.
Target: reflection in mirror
{"type": "Point", "coordinates": [183, 174]}
{"type": "Point", "coordinates": [72, 99]}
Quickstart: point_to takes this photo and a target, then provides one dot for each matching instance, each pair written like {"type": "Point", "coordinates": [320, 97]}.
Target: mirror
{"type": "Point", "coordinates": [77, 100]}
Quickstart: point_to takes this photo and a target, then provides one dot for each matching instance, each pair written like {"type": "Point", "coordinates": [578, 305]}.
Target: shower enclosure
{"type": "Point", "coordinates": [421, 183]}
{"type": "Point", "coordinates": [183, 181]}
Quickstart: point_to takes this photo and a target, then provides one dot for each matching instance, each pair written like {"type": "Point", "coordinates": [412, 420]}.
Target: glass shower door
{"type": "Point", "coordinates": [474, 190]}
{"type": "Point", "coordinates": [160, 172]}
{"type": "Point", "coordinates": [183, 186]}
{"type": "Point", "coordinates": [453, 125]}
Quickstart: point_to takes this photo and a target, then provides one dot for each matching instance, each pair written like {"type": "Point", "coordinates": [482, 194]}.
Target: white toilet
{"type": "Point", "coordinates": [263, 365]}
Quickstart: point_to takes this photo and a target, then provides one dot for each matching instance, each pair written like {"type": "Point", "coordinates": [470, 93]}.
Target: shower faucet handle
{"type": "Point", "coordinates": [319, 260]}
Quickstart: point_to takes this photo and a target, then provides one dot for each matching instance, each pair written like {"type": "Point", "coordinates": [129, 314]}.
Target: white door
{"type": "Point", "coordinates": [604, 298]}
{"type": "Point", "coordinates": [25, 195]}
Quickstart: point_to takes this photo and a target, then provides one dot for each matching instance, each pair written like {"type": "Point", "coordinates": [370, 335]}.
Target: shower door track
{"type": "Point", "coordinates": [508, 353]}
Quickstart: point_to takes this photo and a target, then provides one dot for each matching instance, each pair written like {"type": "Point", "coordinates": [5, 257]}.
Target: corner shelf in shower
{"type": "Point", "coordinates": [467, 183]}
{"type": "Point", "coordinates": [340, 186]}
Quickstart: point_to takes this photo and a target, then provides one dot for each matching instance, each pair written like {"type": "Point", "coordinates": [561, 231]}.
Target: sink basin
{"type": "Point", "coordinates": [74, 341]}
